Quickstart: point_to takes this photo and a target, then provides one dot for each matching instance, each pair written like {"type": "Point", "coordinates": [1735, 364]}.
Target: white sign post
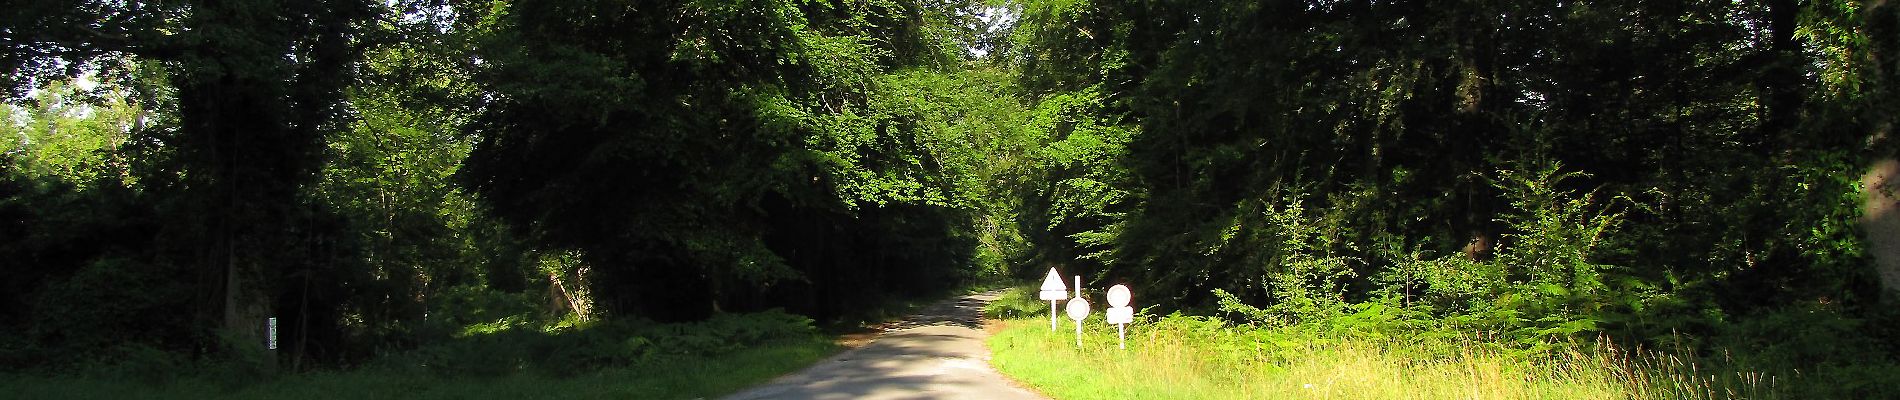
{"type": "Point", "coordinates": [1119, 312]}
{"type": "Point", "coordinates": [1053, 291]}
{"type": "Point", "coordinates": [1078, 310]}
{"type": "Point", "coordinates": [272, 324]}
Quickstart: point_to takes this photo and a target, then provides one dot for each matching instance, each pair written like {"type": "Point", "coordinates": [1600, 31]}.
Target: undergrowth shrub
{"type": "Point", "coordinates": [136, 363]}
{"type": "Point", "coordinates": [1828, 353]}
{"type": "Point", "coordinates": [1544, 286]}
{"type": "Point", "coordinates": [589, 346]}
{"type": "Point", "coordinates": [1016, 303]}
{"type": "Point", "coordinates": [107, 303]}
{"type": "Point", "coordinates": [1309, 283]}
{"type": "Point", "coordinates": [470, 308]}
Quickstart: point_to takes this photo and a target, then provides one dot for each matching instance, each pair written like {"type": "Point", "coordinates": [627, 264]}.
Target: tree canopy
{"type": "Point", "coordinates": [384, 174]}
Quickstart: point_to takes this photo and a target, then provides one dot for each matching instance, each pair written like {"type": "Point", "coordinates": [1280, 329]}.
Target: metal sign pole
{"type": "Point", "coordinates": [1052, 316]}
{"type": "Point", "coordinates": [1119, 312]}
{"type": "Point", "coordinates": [1053, 291]}
{"type": "Point", "coordinates": [1078, 334]}
{"type": "Point", "coordinates": [1078, 310]}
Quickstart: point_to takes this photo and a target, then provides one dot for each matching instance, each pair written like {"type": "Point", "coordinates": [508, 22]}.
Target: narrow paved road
{"type": "Point", "coordinates": [937, 354]}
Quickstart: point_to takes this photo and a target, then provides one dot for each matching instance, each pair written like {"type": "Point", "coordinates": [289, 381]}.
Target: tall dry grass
{"type": "Point", "coordinates": [1199, 358]}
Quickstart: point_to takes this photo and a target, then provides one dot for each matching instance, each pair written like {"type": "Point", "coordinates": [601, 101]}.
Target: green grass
{"type": "Point", "coordinates": [1180, 357]}
{"type": "Point", "coordinates": [1185, 362]}
{"type": "Point", "coordinates": [680, 378]}
{"type": "Point", "coordinates": [627, 359]}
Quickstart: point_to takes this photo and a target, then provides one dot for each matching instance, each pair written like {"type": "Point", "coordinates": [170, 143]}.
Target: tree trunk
{"type": "Point", "coordinates": [1781, 82]}
{"type": "Point", "coordinates": [1881, 218]}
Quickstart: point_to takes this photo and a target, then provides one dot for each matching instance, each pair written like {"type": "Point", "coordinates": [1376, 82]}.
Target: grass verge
{"type": "Point", "coordinates": [1185, 357]}
{"type": "Point", "coordinates": [611, 360]}
{"type": "Point", "coordinates": [683, 378]}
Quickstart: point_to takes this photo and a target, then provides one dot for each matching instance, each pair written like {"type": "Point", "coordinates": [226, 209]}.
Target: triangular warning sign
{"type": "Point", "coordinates": [1053, 283]}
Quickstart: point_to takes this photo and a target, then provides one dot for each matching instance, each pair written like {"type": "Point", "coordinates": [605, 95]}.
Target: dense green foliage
{"type": "Point", "coordinates": [1530, 169]}
{"type": "Point", "coordinates": [707, 156]}
{"type": "Point", "coordinates": [1659, 173]}
{"type": "Point", "coordinates": [384, 175]}
{"type": "Point", "coordinates": [388, 176]}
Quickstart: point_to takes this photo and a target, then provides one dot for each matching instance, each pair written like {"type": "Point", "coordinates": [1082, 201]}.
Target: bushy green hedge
{"type": "Point", "coordinates": [590, 346]}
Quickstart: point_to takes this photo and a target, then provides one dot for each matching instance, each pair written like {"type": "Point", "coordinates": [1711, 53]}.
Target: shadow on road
{"type": "Point", "coordinates": [936, 354]}
{"type": "Point", "coordinates": [966, 312]}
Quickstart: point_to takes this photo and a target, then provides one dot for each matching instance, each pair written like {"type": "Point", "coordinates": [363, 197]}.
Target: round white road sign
{"type": "Point", "coordinates": [1078, 309]}
{"type": "Point", "coordinates": [1118, 296]}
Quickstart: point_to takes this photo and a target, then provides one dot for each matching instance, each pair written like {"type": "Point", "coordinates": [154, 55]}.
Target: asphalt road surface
{"type": "Point", "coordinates": [936, 354]}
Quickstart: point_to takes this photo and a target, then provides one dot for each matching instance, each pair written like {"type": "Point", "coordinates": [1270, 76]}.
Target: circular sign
{"type": "Point", "coordinates": [1118, 296]}
{"type": "Point", "coordinates": [1078, 309]}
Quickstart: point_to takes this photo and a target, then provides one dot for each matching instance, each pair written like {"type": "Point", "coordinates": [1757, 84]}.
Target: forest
{"type": "Point", "coordinates": [400, 179]}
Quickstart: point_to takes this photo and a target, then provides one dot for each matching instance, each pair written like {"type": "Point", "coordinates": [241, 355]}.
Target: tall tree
{"type": "Point", "coordinates": [257, 83]}
{"type": "Point", "coordinates": [699, 153]}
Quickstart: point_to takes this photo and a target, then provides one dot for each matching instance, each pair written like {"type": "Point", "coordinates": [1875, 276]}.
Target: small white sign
{"type": "Point", "coordinates": [1121, 315]}
{"type": "Point", "coordinates": [273, 332]}
{"type": "Point", "coordinates": [1078, 309]}
{"type": "Point", "coordinates": [1118, 311]}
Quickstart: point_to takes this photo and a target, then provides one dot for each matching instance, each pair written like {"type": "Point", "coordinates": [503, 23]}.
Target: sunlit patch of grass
{"type": "Point", "coordinates": [1186, 362]}
{"type": "Point", "coordinates": [1016, 302]}
{"type": "Point", "coordinates": [1200, 358]}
